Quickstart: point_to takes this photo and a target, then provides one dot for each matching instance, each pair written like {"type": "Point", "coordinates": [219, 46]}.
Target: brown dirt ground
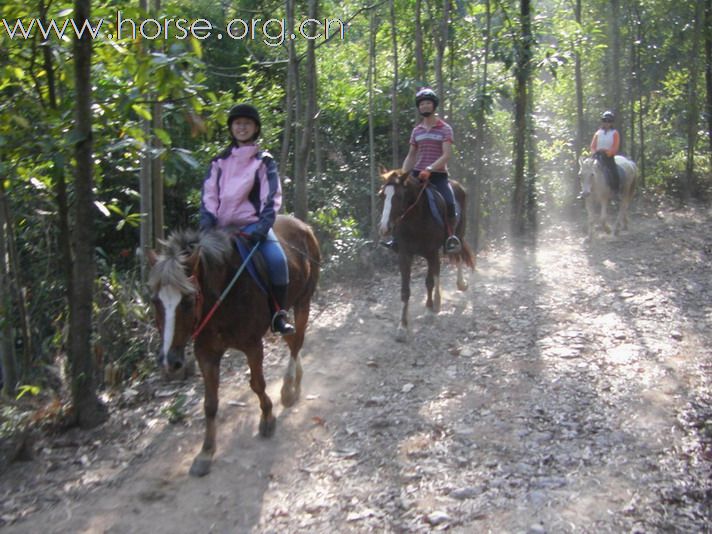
{"type": "Point", "coordinates": [567, 390]}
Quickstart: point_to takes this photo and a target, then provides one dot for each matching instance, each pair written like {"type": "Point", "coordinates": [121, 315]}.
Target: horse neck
{"type": "Point", "coordinates": [415, 199]}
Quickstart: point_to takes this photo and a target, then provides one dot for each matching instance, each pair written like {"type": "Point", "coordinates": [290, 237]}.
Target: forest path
{"type": "Point", "coordinates": [567, 390]}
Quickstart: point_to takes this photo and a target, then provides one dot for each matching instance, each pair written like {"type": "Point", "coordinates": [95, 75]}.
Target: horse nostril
{"type": "Point", "coordinates": [176, 366]}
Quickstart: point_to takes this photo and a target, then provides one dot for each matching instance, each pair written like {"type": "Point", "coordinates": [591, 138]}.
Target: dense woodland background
{"type": "Point", "coordinates": [104, 143]}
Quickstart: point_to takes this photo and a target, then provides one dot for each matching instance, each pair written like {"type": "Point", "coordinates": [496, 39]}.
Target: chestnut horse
{"type": "Point", "coordinates": [407, 215]}
{"type": "Point", "coordinates": [186, 281]}
{"type": "Point", "coordinates": [597, 191]}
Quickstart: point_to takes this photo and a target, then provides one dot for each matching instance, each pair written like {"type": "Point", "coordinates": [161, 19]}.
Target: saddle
{"type": "Point", "coordinates": [256, 266]}
{"type": "Point", "coordinates": [613, 179]}
{"type": "Point", "coordinates": [435, 200]}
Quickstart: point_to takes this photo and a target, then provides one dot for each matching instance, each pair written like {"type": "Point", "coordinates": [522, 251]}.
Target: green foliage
{"type": "Point", "coordinates": [176, 410]}
{"type": "Point", "coordinates": [23, 390]}
{"type": "Point", "coordinates": [339, 237]}
{"type": "Point", "coordinates": [123, 324]}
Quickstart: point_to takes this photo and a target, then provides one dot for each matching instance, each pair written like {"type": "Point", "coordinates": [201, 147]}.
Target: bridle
{"type": "Point", "coordinates": [199, 298]}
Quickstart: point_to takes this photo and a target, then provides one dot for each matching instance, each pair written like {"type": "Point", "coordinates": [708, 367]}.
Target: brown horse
{"type": "Point", "coordinates": [406, 214]}
{"type": "Point", "coordinates": [189, 278]}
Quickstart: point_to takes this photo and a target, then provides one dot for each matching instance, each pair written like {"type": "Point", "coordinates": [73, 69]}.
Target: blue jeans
{"type": "Point", "coordinates": [274, 256]}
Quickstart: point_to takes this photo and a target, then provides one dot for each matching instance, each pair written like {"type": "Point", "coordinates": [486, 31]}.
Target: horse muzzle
{"type": "Point", "coordinates": [173, 361]}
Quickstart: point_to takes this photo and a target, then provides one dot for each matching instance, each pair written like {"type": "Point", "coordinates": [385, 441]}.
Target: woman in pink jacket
{"type": "Point", "coordinates": [242, 190]}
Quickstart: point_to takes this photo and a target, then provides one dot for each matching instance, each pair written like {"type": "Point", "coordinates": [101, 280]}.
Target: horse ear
{"type": "Point", "coordinates": [193, 261]}
{"type": "Point", "coordinates": [381, 170]}
{"type": "Point", "coordinates": [152, 257]}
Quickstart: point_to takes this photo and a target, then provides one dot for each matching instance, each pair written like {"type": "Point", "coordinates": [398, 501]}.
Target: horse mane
{"type": "Point", "coordinates": [172, 268]}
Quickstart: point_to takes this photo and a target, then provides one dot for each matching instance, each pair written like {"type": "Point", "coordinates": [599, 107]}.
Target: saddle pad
{"type": "Point", "coordinates": [256, 266]}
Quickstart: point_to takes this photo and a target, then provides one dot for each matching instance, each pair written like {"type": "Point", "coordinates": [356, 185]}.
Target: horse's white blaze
{"type": "Point", "coordinates": [389, 190]}
{"type": "Point", "coordinates": [170, 297]}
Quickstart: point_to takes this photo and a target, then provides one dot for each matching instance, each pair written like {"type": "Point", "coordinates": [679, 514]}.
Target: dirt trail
{"type": "Point", "coordinates": [568, 390]}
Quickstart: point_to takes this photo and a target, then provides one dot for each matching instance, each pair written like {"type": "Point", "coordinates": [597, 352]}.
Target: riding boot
{"type": "Point", "coordinates": [279, 324]}
{"type": "Point", "coordinates": [452, 243]}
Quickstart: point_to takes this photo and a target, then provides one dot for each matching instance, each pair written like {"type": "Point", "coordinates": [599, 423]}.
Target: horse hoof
{"type": "Point", "coordinates": [200, 467]}
{"type": "Point", "coordinates": [462, 286]}
{"type": "Point", "coordinates": [267, 427]}
{"type": "Point", "coordinates": [290, 395]}
{"type": "Point", "coordinates": [402, 334]}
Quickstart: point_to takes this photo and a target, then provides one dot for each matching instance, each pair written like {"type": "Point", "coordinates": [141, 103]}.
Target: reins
{"type": "Point", "coordinates": [224, 293]}
{"type": "Point", "coordinates": [420, 193]}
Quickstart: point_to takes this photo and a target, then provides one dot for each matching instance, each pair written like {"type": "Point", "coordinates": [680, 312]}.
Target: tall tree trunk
{"type": "Point", "coordinates": [441, 39]}
{"type": "Point", "coordinates": [640, 97]}
{"type": "Point", "coordinates": [292, 67]}
{"type": "Point", "coordinates": [531, 200]}
{"type": "Point", "coordinates": [474, 184]}
{"type": "Point", "coordinates": [419, 56]}
{"type": "Point", "coordinates": [708, 71]}
{"type": "Point", "coordinates": [580, 141]}
{"type": "Point", "coordinates": [89, 412]}
{"type": "Point", "coordinates": [395, 158]}
{"type": "Point", "coordinates": [145, 182]}
{"type": "Point", "coordinates": [614, 58]}
{"type": "Point", "coordinates": [301, 158]}
{"type": "Point", "coordinates": [156, 160]}
{"type": "Point", "coordinates": [373, 27]}
{"type": "Point", "coordinates": [7, 345]}
{"type": "Point", "coordinates": [519, 197]}
{"type": "Point", "coordinates": [692, 109]}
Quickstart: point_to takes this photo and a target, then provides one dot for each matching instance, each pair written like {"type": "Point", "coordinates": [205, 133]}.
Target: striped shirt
{"type": "Point", "coordinates": [429, 143]}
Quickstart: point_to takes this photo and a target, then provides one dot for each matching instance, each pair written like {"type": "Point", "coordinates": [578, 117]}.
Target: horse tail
{"type": "Point", "coordinates": [465, 256]}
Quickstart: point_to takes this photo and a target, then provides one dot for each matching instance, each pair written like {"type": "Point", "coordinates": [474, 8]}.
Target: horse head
{"type": "Point", "coordinates": [176, 295]}
{"type": "Point", "coordinates": [399, 190]}
{"type": "Point", "coordinates": [587, 171]}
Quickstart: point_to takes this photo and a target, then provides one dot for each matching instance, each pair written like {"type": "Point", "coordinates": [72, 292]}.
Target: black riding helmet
{"type": "Point", "coordinates": [246, 111]}
{"type": "Point", "coordinates": [608, 116]}
{"type": "Point", "coordinates": [426, 93]}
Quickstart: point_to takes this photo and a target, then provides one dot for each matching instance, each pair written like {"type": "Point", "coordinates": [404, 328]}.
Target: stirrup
{"type": "Point", "coordinates": [452, 245]}
{"type": "Point", "coordinates": [280, 325]}
{"type": "Point", "coordinates": [391, 244]}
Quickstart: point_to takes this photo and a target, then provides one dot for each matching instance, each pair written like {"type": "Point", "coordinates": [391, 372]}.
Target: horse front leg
{"type": "Point", "coordinates": [255, 356]}
{"type": "Point", "coordinates": [591, 218]}
{"type": "Point", "coordinates": [210, 368]}
{"type": "Point", "coordinates": [405, 262]}
{"type": "Point", "coordinates": [292, 383]}
{"type": "Point", "coordinates": [432, 283]}
{"type": "Point", "coordinates": [604, 217]}
{"type": "Point", "coordinates": [622, 221]}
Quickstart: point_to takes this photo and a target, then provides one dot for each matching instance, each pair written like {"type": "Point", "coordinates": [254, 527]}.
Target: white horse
{"type": "Point", "coordinates": [597, 191]}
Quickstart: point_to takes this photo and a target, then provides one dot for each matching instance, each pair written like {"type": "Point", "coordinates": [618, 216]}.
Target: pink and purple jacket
{"type": "Point", "coordinates": [242, 188]}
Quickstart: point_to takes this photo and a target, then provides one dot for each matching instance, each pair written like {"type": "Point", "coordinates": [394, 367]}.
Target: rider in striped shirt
{"type": "Point", "coordinates": [430, 149]}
